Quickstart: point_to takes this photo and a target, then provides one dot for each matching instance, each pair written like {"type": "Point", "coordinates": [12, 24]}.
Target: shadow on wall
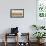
{"type": "Point", "coordinates": [7, 31]}
{"type": "Point", "coordinates": [32, 30]}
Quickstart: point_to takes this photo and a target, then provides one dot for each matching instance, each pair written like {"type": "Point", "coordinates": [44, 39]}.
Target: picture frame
{"type": "Point", "coordinates": [40, 12]}
{"type": "Point", "coordinates": [41, 9]}
{"type": "Point", "coordinates": [17, 13]}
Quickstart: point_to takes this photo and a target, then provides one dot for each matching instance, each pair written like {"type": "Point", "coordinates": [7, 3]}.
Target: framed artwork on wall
{"type": "Point", "coordinates": [41, 8]}
{"type": "Point", "coordinates": [41, 12]}
{"type": "Point", "coordinates": [17, 13]}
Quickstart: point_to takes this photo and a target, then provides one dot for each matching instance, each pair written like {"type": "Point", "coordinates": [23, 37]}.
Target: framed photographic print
{"type": "Point", "coordinates": [17, 13]}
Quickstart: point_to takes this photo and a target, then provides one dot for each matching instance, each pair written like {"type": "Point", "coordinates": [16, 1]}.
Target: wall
{"type": "Point", "coordinates": [24, 24]}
